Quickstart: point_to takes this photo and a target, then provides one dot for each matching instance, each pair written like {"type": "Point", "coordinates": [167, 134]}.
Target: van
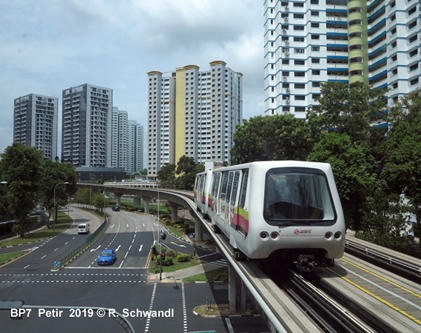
{"type": "Point", "coordinates": [83, 228]}
{"type": "Point", "coordinates": [115, 208]}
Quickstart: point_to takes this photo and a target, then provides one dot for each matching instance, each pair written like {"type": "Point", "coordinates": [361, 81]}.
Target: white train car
{"type": "Point", "coordinates": [287, 209]}
{"type": "Point", "coordinates": [201, 191]}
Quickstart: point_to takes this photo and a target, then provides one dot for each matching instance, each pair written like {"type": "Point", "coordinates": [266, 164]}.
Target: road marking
{"type": "Point", "coordinates": [178, 244]}
{"type": "Point", "coordinates": [129, 248]}
{"type": "Point", "coordinates": [26, 266]}
{"type": "Point", "coordinates": [66, 243]}
{"type": "Point", "coordinates": [112, 226]}
{"type": "Point", "coordinates": [144, 225]}
{"type": "Point", "coordinates": [126, 254]}
{"type": "Point", "coordinates": [43, 257]}
{"type": "Point", "coordinates": [127, 225]}
{"type": "Point", "coordinates": [140, 248]}
{"type": "Point", "coordinates": [207, 255]}
{"type": "Point", "coordinates": [92, 250]}
{"type": "Point", "coordinates": [118, 248]}
{"type": "Point", "coordinates": [56, 249]}
{"type": "Point", "coordinates": [121, 264]}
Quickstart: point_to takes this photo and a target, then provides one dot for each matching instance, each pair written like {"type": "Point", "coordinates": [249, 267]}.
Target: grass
{"type": "Point", "coordinates": [177, 265]}
{"type": "Point", "coordinates": [208, 276]}
{"type": "Point", "coordinates": [8, 256]}
{"type": "Point", "coordinates": [63, 222]}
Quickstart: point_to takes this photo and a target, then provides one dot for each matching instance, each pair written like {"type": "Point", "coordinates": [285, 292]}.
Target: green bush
{"type": "Point", "coordinates": [168, 261]}
{"type": "Point", "coordinates": [170, 253]}
{"type": "Point", "coordinates": [183, 258]}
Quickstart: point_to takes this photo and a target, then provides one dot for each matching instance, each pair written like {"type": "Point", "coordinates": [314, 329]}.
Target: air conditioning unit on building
{"type": "Point", "coordinates": [286, 19]}
{"type": "Point", "coordinates": [287, 42]}
{"type": "Point", "coordinates": [285, 78]}
{"type": "Point", "coordinates": [287, 54]}
{"type": "Point", "coordinates": [284, 31]}
{"type": "Point", "coordinates": [286, 7]}
{"type": "Point", "coordinates": [287, 101]}
{"type": "Point", "coordinates": [288, 90]}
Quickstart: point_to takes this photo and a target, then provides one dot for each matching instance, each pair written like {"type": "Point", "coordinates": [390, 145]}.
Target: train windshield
{"type": "Point", "coordinates": [294, 196]}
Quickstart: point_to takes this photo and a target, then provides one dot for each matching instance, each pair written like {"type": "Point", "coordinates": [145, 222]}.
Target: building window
{"type": "Point", "coordinates": [315, 25]}
{"type": "Point", "coordinates": [298, 27]}
{"type": "Point", "coordinates": [315, 48]}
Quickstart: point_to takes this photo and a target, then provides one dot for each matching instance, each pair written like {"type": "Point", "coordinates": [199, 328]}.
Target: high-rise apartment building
{"type": "Point", "coordinates": [87, 119]}
{"type": "Point", "coordinates": [193, 113]}
{"type": "Point", "coordinates": [126, 142]}
{"type": "Point", "coordinates": [309, 42]}
{"type": "Point", "coordinates": [135, 147]}
{"type": "Point", "coordinates": [119, 139]}
{"type": "Point", "coordinates": [35, 123]}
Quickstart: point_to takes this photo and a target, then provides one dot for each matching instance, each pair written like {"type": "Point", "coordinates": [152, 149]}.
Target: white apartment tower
{"type": "Point", "coordinates": [87, 120]}
{"type": "Point", "coordinates": [193, 113]}
{"type": "Point", "coordinates": [119, 139]}
{"type": "Point", "coordinates": [135, 147]}
{"type": "Point", "coordinates": [309, 42]}
{"type": "Point", "coordinates": [35, 123]}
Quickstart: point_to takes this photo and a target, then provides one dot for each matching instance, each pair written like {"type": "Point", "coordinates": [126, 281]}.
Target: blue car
{"type": "Point", "coordinates": [107, 257]}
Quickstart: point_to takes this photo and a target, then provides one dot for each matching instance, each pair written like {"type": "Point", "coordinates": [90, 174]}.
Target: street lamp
{"type": "Point", "coordinates": [55, 208]}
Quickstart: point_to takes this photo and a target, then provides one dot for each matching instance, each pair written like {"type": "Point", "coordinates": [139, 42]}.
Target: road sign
{"type": "Point", "coordinates": [191, 235]}
{"type": "Point", "coordinates": [57, 264]}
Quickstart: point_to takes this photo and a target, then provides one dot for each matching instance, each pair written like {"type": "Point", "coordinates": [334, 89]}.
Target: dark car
{"type": "Point", "coordinates": [107, 257]}
{"type": "Point", "coordinates": [115, 208]}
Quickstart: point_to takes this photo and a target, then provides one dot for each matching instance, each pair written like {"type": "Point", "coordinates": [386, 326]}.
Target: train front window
{"type": "Point", "coordinates": [297, 195]}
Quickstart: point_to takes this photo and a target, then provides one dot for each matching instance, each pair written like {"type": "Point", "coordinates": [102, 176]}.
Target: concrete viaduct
{"type": "Point", "coordinates": [174, 198]}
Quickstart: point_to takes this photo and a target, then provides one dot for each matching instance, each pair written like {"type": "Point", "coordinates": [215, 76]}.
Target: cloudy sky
{"type": "Point", "coordinates": [50, 45]}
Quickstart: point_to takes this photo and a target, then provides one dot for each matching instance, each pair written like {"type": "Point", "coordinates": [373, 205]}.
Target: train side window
{"type": "Point", "coordinates": [229, 187]}
{"type": "Point", "coordinates": [235, 187]}
{"type": "Point", "coordinates": [224, 185]}
{"type": "Point", "coordinates": [243, 192]}
{"type": "Point", "coordinates": [215, 185]}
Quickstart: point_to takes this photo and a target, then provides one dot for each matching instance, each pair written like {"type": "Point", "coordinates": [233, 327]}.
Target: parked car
{"type": "Point", "coordinates": [107, 257]}
{"type": "Point", "coordinates": [83, 228]}
{"type": "Point", "coordinates": [115, 208]}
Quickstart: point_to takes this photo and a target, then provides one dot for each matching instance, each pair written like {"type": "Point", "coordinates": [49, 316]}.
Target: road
{"type": "Point", "coordinates": [122, 287]}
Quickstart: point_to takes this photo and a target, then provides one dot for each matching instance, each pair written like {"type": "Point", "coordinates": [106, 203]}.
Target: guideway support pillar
{"type": "Point", "coordinates": [236, 292]}
{"type": "Point", "coordinates": [146, 200]}
{"type": "Point", "coordinates": [198, 230]}
{"type": "Point", "coordinates": [118, 199]}
{"type": "Point", "coordinates": [174, 209]}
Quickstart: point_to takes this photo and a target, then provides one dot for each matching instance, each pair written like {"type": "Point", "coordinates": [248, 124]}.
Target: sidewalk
{"type": "Point", "coordinates": [183, 273]}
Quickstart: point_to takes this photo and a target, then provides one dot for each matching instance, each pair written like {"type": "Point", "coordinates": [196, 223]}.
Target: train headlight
{"type": "Point", "coordinates": [264, 235]}
{"type": "Point", "coordinates": [338, 235]}
{"type": "Point", "coordinates": [274, 235]}
{"type": "Point", "coordinates": [328, 235]}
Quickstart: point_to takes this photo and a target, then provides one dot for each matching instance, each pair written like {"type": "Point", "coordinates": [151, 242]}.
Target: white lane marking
{"type": "Point", "coordinates": [144, 225]}
{"type": "Point", "coordinates": [92, 250]}
{"type": "Point", "coordinates": [129, 248]}
{"type": "Point", "coordinates": [118, 248]}
{"type": "Point", "coordinates": [126, 254]}
{"type": "Point", "coordinates": [26, 266]}
{"type": "Point", "coordinates": [112, 226]}
{"type": "Point", "coordinates": [55, 249]}
{"type": "Point", "coordinates": [207, 255]}
{"type": "Point", "coordinates": [127, 225]}
{"type": "Point", "coordinates": [121, 264]}
{"type": "Point", "coordinates": [43, 257]}
{"type": "Point", "coordinates": [178, 244]}
{"type": "Point", "coordinates": [66, 243]}
{"type": "Point", "coordinates": [74, 237]}
{"type": "Point", "coordinates": [140, 248]}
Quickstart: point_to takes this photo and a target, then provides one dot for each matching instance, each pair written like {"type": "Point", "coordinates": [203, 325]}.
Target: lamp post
{"type": "Point", "coordinates": [55, 208]}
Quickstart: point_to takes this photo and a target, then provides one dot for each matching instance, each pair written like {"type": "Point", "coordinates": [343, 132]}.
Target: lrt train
{"type": "Point", "coordinates": [285, 209]}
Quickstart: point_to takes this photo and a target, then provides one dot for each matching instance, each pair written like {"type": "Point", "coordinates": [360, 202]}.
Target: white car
{"type": "Point", "coordinates": [83, 228]}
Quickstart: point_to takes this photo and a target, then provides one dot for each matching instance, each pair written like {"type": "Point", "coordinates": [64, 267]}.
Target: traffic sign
{"type": "Point", "coordinates": [191, 235]}
{"type": "Point", "coordinates": [57, 264]}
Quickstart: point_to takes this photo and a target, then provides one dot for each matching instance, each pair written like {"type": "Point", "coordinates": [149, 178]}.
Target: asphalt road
{"type": "Point", "coordinates": [122, 287]}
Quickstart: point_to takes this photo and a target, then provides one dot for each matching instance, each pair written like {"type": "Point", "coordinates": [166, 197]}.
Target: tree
{"type": "Point", "coordinates": [402, 163]}
{"type": "Point", "coordinates": [353, 168]}
{"type": "Point", "coordinates": [278, 137]}
{"type": "Point", "coordinates": [186, 172]}
{"type": "Point", "coordinates": [83, 195]}
{"type": "Point", "coordinates": [166, 176]}
{"type": "Point", "coordinates": [20, 166]}
{"type": "Point", "coordinates": [56, 173]}
{"type": "Point", "coordinates": [347, 108]}
{"type": "Point", "coordinates": [99, 201]}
